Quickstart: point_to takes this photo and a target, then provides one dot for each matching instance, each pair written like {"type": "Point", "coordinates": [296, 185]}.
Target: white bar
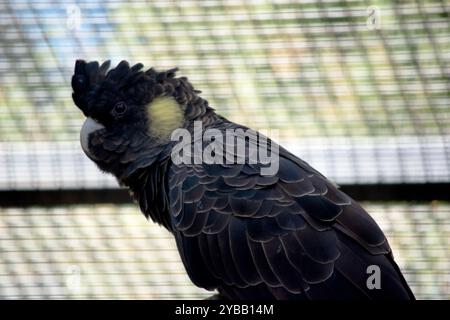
{"type": "Point", "coordinates": [47, 165]}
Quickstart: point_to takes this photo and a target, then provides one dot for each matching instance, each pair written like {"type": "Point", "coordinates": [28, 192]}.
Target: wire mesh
{"type": "Point", "coordinates": [103, 252]}
{"type": "Point", "coordinates": [357, 88]}
{"type": "Point", "coordinates": [327, 74]}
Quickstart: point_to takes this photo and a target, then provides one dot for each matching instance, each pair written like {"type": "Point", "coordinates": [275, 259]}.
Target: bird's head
{"type": "Point", "coordinates": [130, 112]}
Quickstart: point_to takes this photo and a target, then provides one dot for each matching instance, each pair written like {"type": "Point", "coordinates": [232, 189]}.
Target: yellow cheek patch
{"type": "Point", "coordinates": [165, 115]}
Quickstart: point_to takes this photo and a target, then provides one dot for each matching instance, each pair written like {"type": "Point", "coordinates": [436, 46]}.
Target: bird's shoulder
{"type": "Point", "coordinates": [234, 224]}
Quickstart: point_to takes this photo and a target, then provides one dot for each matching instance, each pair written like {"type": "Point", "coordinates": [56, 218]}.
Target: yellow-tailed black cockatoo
{"type": "Point", "coordinates": [288, 235]}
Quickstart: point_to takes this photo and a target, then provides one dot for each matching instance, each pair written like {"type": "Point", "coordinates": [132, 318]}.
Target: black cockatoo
{"type": "Point", "coordinates": [288, 235]}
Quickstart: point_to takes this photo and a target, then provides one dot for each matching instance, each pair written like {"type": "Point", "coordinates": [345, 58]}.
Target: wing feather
{"type": "Point", "coordinates": [294, 235]}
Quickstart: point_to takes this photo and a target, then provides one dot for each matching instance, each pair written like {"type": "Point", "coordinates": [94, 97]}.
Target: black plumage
{"type": "Point", "coordinates": [293, 235]}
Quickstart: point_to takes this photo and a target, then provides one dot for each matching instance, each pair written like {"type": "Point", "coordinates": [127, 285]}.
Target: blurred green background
{"type": "Point", "coordinates": [359, 89]}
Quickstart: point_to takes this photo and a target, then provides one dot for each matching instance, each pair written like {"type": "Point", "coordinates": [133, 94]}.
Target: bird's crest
{"type": "Point", "coordinates": [90, 78]}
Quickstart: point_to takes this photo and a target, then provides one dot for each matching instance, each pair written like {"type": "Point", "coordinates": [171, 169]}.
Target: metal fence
{"type": "Point", "coordinates": [359, 89]}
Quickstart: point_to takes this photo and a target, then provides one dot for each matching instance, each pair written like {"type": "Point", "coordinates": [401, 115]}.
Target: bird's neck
{"type": "Point", "coordinates": [148, 186]}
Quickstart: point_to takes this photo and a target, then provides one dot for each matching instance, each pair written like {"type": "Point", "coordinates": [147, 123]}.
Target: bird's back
{"type": "Point", "coordinates": [292, 235]}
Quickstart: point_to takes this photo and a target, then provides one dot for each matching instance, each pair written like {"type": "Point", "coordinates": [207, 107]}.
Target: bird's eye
{"type": "Point", "coordinates": [119, 109]}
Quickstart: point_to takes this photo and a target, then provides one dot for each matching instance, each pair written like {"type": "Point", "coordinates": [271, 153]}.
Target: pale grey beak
{"type": "Point", "coordinates": [89, 126]}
